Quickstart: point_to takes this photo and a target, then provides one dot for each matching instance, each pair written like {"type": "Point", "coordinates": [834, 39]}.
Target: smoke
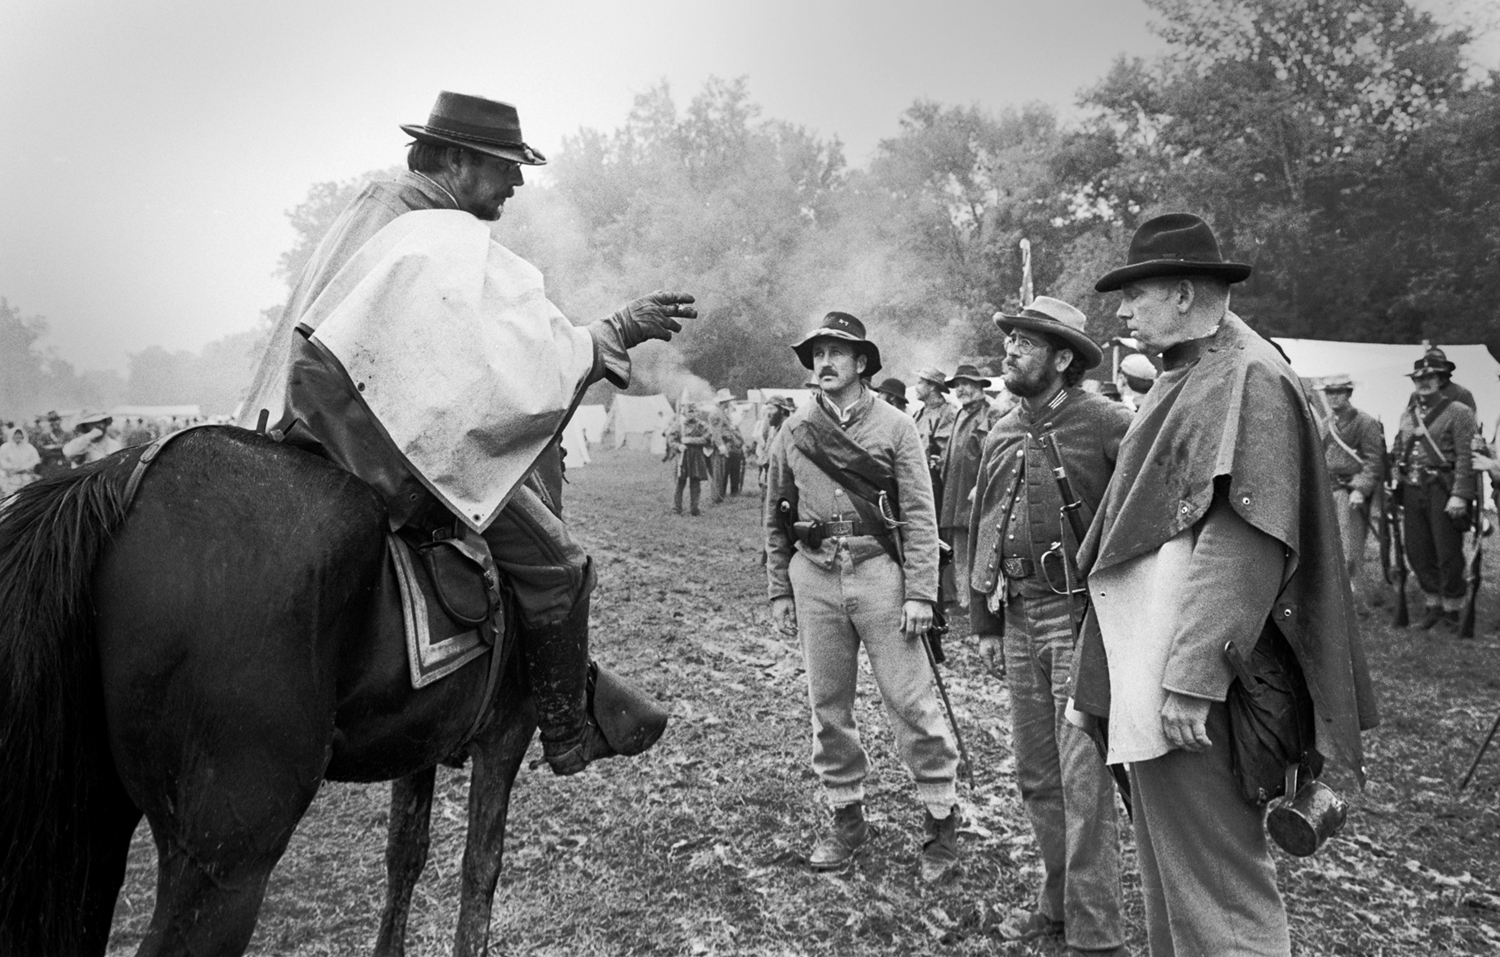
{"type": "Point", "coordinates": [658, 367]}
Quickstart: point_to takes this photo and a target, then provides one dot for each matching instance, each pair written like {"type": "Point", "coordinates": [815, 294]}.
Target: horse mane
{"type": "Point", "coordinates": [53, 753]}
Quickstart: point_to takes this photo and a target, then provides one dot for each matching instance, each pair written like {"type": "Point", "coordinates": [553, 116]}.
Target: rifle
{"type": "Point", "coordinates": [929, 640]}
{"type": "Point", "coordinates": [1476, 563]}
{"type": "Point", "coordinates": [1482, 748]}
{"type": "Point", "coordinates": [1396, 574]}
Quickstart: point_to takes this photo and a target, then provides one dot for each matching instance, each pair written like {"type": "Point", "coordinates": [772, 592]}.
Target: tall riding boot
{"type": "Point", "coordinates": [557, 662]}
{"type": "Point", "coordinates": [695, 489]}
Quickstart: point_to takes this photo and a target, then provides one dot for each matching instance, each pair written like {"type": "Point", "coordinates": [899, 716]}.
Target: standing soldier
{"type": "Point", "coordinates": [1433, 453]}
{"type": "Point", "coordinates": [852, 558]}
{"type": "Point", "coordinates": [893, 392]}
{"type": "Point", "coordinates": [1025, 587]}
{"type": "Point", "coordinates": [1215, 542]}
{"type": "Point", "coordinates": [934, 418]}
{"type": "Point", "coordinates": [1355, 452]}
{"type": "Point", "coordinates": [971, 423]}
{"type": "Point", "coordinates": [689, 439]}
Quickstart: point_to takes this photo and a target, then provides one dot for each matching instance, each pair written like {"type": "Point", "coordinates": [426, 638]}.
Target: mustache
{"type": "Point", "coordinates": [826, 370]}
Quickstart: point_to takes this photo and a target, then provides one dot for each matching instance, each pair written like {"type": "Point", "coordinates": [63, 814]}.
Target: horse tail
{"type": "Point", "coordinates": [54, 754]}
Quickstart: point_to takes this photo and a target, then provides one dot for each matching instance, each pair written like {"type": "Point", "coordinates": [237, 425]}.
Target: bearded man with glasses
{"type": "Point", "coordinates": [1025, 594]}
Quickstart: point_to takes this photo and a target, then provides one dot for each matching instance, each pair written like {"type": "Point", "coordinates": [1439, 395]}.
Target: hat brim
{"type": "Point", "coordinates": [982, 383]}
{"type": "Point", "coordinates": [523, 154]}
{"type": "Point", "coordinates": [1081, 344]}
{"type": "Point", "coordinates": [1229, 272]}
{"type": "Point", "coordinates": [870, 350]}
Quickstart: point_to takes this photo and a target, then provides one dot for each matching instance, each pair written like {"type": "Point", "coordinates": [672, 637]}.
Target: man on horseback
{"type": "Point", "coordinates": [390, 265]}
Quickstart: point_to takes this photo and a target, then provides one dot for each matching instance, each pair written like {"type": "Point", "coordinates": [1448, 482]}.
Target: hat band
{"type": "Point", "coordinates": [1029, 313]}
{"type": "Point", "coordinates": [483, 134]}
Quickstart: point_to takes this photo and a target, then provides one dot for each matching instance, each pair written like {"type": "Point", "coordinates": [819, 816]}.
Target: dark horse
{"type": "Point", "coordinates": [207, 655]}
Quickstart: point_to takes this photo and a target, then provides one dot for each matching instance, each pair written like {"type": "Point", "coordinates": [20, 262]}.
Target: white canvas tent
{"type": "Point", "coordinates": [591, 419]}
{"type": "Point", "coordinates": [639, 422]}
{"type": "Point", "coordinates": [575, 444]}
{"type": "Point", "coordinates": [1379, 371]}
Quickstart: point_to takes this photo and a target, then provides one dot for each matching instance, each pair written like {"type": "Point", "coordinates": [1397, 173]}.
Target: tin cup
{"type": "Point", "coordinates": [1300, 825]}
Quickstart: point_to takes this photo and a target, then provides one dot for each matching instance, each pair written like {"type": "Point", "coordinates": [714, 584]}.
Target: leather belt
{"type": "Point", "coordinates": [849, 528]}
{"type": "Point", "coordinates": [1018, 567]}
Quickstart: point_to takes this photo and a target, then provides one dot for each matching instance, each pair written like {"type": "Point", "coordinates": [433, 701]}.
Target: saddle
{"type": "Point", "coordinates": [451, 607]}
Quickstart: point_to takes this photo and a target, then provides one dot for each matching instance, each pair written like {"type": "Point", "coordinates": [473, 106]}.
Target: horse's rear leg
{"type": "Point", "coordinates": [113, 823]}
{"type": "Point", "coordinates": [409, 837]}
{"type": "Point", "coordinates": [497, 752]}
{"type": "Point", "coordinates": [215, 858]}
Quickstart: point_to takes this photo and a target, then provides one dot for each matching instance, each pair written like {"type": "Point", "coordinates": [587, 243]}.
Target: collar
{"type": "Point", "coordinates": [1051, 405]}
{"type": "Point", "coordinates": [1186, 353]}
{"type": "Point", "coordinates": [845, 417]}
{"type": "Point", "coordinates": [435, 190]}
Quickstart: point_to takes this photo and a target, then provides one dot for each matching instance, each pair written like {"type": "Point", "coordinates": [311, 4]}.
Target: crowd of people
{"type": "Point", "coordinates": [45, 446]}
{"type": "Point", "coordinates": [1128, 556]}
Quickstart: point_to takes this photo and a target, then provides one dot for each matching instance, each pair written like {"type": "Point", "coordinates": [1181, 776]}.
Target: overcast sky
{"type": "Point", "coordinates": [152, 147]}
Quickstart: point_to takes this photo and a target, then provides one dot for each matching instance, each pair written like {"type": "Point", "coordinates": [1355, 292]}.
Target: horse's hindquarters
{"type": "Point", "coordinates": [221, 606]}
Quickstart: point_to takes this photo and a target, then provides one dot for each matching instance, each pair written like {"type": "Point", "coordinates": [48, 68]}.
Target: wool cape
{"type": "Point", "coordinates": [1239, 416]}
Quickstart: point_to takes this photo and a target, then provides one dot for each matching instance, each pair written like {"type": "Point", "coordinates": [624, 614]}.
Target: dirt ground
{"type": "Point", "coordinates": [698, 847]}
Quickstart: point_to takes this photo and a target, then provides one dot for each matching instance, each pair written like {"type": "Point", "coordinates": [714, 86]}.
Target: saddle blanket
{"type": "Point", "coordinates": [436, 644]}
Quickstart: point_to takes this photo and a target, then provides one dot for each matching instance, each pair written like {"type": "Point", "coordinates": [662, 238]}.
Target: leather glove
{"type": "Point", "coordinates": [651, 317]}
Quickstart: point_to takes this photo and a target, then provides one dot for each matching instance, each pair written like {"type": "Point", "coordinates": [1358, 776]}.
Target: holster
{"type": "Point", "coordinates": [630, 721]}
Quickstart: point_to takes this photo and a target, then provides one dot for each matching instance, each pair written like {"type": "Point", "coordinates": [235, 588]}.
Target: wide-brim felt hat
{"type": "Point", "coordinates": [1337, 383]}
{"type": "Point", "coordinates": [840, 325]}
{"type": "Point", "coordinates": [968, 373]}
{"type": "Point", "coordinates": [1176, 244]}
{"type": "Point", "coordinates": [723, 395]}
{"type": "Point", "coordinates": [1438, 359]}
{"type": "Point", "coordinates": [93, 418]}
{"type": "Point", "coordinates": [933, 376]}
{"type": "Point", "coordinates": [1427, 365]}
{"type": "Point", "coordinates": [475, 123]}
{"type": "Point", "coordinates": [1056, 318]}
{"type": "Point", "coordinates": [893, 387]}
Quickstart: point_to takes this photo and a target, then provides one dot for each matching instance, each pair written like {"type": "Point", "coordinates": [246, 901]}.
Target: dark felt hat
{"type": "Point", "coordinates": [840, 325]}
{"type": "Point", "coordinates": [894, 388]}
{"type": "Point", "coordinates": [968, 373]}
{"type": "Point", "coordinates": [1057, 318]}
{"type": "Point", "coordinates": [1433, 362]}
{"type": "Point", "coordinates": [1177, 244]}
{"type": "Point", "coordinates": [485, 126]}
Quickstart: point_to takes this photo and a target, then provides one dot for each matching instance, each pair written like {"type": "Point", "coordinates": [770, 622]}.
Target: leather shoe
{"type": "Point", "coordinates": [940, 849]}
{"type": "Point", "coordinates": [1040, 925]}
{"type": "Point", "coordinates": [848, 833]}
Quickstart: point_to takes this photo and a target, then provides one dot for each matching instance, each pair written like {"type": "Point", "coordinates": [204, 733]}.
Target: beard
{"type": "Point", "coordinates": [1027, 385]}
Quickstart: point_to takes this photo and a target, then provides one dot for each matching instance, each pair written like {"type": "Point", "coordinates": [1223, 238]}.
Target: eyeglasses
{"type": "Point", "coordinates": [1021, 344]}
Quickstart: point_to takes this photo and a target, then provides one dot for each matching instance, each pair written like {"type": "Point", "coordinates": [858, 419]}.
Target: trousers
{"type": "Point", "coordinates": [1065, 786]}
{"type": "Point", "coordinates": [548, 571]}
{"type": "Point", "coordinates": [1354, 528]}
{"type": "Point", "coordinates": [839, 609]}
{"type": "Point", "coordinates": [1206, 870]}
{"type": "Point", "coordinates": [1434, 547]}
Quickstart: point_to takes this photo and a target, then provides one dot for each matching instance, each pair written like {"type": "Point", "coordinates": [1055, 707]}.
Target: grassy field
{"type": "Point", "coordinates": [698, 846]}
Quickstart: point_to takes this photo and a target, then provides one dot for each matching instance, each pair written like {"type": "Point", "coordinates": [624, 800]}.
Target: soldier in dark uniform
{"type": "Point", "coordinates": [971, 423]}
{"type": "Point", "coordinates": [1025, 588]}
{"type": "Point", "coordinates": [1355, 453]}
{"type": "Point", "coordinates": [1433, 453]}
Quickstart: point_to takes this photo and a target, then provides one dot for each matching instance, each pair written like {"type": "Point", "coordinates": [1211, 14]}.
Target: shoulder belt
{"type": "Point", "coordinates": [848, 465]}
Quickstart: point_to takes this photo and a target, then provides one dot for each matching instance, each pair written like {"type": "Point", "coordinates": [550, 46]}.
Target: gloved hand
{"type": "Point", "coordinates": [651, 317]}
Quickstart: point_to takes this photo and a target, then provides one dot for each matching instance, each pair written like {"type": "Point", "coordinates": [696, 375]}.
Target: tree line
{"type": "Point", "coordinates": [1346, 148]}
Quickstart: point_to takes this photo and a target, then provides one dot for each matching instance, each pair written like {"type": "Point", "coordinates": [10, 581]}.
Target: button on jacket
{"type": "Point", "coordinates": [1016, 493]}
{"type": "Point", "coordinates": [889, 435]}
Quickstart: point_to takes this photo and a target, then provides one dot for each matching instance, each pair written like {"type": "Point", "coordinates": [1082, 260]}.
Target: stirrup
{"type": "Point", "coordinates": [629, 721]}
